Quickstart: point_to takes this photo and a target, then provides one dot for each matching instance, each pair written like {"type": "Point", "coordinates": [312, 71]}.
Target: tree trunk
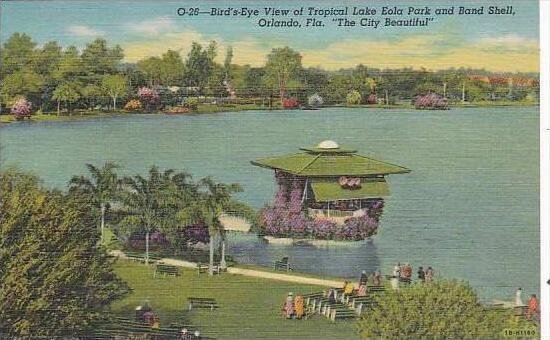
{"type": "Point", "coordinates": [463, 92]}
{"type": "Point", "coordinates": [114, 103]}
{"type": "Point", "coordinates": [223, 264]}
{"type": "Point", "coordinates": [102, 221]}
{"type": "Point", "coordinates": [211, 264]}
{"type": "Point", "coordinates": [58, 107]}
{"type": "Point", "coordinates": [387, 99]}
{"type": "Point", "coordinates": [147, 247]}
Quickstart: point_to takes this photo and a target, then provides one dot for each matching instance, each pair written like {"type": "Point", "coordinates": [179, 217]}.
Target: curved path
{"type": "Point", "coordinates": [250, 272]}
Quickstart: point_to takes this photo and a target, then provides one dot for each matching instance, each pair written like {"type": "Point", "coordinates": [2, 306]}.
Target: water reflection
{"type": "Point", "coordinates": [345, 261]}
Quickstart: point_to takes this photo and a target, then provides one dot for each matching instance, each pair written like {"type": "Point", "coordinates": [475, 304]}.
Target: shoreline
{"type": "Point", "coordinates": [210, 109]}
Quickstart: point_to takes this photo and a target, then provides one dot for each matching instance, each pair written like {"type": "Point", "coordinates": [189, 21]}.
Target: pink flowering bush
{"type": "Point", "coordinates": [431, 101]}
{"type": "Point", "coordinates": [149, 96]}
{"type": "Point", "coordinates": [285, 217]}
{"type": "Point", "coordinates": [290, 103]}
{"type": "Point", "coordinates": [21, 109]}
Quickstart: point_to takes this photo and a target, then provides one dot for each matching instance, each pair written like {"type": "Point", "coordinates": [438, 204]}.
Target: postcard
{"type": "Point", "coordinates": [269, 169]}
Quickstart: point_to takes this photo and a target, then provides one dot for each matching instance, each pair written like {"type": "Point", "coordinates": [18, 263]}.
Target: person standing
{"type": "Point", "coordinates": [376, 278]}
{"type": "Point", "coordinates": [519, 301]}
{"type": "Point", "coordinates": [429, 275]}
{"type": "Point", "coordinates": [288, 307]}
{"type": "Point", "coordinates": [533, 309]}
{"type": "Point", "coordinates": [421, 274]}
{"type": "Point", "coordinates": [364, 278]}
{"type": "Point", "coordinates": [299, 306]}
{"type": "Point", "coordinates": [397, 270]}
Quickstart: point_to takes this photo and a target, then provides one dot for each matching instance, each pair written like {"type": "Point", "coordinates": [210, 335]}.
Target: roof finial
{"type": "Point", "coordinates": [328, 144]}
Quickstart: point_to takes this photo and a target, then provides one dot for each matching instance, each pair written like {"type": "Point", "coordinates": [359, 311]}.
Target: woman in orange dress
{"type": "Point", "coordinates": [299, 306]}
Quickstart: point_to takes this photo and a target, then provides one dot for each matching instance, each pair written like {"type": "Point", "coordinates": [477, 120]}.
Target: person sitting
{"type": "Point", "coordinates": [362, 290]}
{"type": "Point", "coordinates": [533, 309]}
{"type": "Point", "coordinates": [377, 278]}
{"type": "Point", "coordinates": [288, 307]}
{"type": "Point", "coordinates": [299, 306]}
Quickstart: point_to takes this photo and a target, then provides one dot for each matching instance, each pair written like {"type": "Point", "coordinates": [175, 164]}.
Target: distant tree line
{"type": "Point", "coordinates": [56, 78]}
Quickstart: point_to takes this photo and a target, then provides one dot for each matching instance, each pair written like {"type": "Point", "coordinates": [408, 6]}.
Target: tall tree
{"type": "Point", "coordinates": [216, 198]}
{"type": "Point", "coordinates": [18, 53]}
{"type": "Point", "coordinates": [115, 85]}
{"type": "Point", "coordinates": [54, 280]}
{"type": "Point", "coordinates": [200, 64]}
{"type": "Point", "coordinates": [101, 188]}
{"type": "Point", "coordinates": [283, 65]}
{"type": "Point", "coordinates": [148, 203]}
{"type": "Point", "coordinates": [68, 92]}
{"type": "Point", "coordinates": [21, 83]}
{"type": "Point", "coordinates": [99, 59]}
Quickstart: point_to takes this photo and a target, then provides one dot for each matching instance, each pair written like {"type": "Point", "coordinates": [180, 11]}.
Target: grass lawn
{"type": "Point", "coordinates": [249, 308]}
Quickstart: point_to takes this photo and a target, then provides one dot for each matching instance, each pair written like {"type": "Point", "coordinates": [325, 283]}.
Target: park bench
{"type": "Point", "coordinates": [340, 314]}
{"type": "Point", "coordinates": [204, 267]}
{"type": "Point", "coordinates": [202, 303]}
{"type": "Point", "coordinates": [166, 269]}
{"type": "Point", "coordinates": [282, 264]}
{"type": "Point", "coordinates": [309, 297]}
{"type": "Point", "coordinates": [139, 257]}
{"type": "Point", "coordinates": [375, 289]}
{"type": "Point", "coordinates": [328, 308]}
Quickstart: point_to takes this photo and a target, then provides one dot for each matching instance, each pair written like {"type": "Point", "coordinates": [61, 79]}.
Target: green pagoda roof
{"type": "Point", "coordinates": [326, 190]}
{"type": "Point", "coordinates": [328, 159]}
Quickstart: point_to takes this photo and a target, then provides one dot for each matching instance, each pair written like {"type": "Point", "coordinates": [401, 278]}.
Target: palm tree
{"type": "Point", "coordinates": [102, 187]}
{"type": "Point", "coordinates": [150, 202]}
{"type": "Point", "coordinates": [216, 198]}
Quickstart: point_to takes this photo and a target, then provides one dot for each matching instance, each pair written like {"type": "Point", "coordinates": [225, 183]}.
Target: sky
{"type": "Point", "coordinates": [149, 28]}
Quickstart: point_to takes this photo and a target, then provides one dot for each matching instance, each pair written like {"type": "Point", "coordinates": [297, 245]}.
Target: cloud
{"type": "Point", "coordinates": [436, 51]}
{"type": "Point", "coordinates": [83, 31]}
{"type": "Point", "coordinates": [506, 53]}
{"type": "Point", "coordinates": [151, 27]}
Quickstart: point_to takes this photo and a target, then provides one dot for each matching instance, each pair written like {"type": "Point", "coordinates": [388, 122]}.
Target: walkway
{"type": "Point", "coordinates": [250, 272]}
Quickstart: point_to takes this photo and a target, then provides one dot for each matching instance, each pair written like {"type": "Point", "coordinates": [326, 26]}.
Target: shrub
{"type": "Point", "coordinates": [290, 103]}
{"type": "Point", "coordinates": [192, 103]}
{"type": "Point", "coordinates": [372, 99]}
{"type": "Point", "coordinates": [21, 109]}
{"type": "Point", "coordinates": [431, 101]}
{"type": "Point", "coordinates": [133, 105]}
{"type": "Point", "coordinates": [447, 309]}
{"type": "Point", "coordinates": [149, 96]}
{"type": "Point", "coordinates": [353, 98]}
{"type": "Point", "coordinates": [315, 100]}
{"type": "Point", "coordinates": [177, 110]}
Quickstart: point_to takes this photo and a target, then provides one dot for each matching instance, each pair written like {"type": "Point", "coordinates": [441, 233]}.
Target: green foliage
{"type": "Point", "coordinates": [200, 64]}
{"type": "Point", "coordinates": [99, 59]}
{"type": "Point", "coordinates": [115, 86]}
{"type": "Point", "coordinates": [353, 98]}
{"type": "Point", "coordinates": [21, 83]}
{"type": "Point", "coordinates": [443, 308]}
{"type": "Point", "coordinates": [192, 103]}
{"type": "Point", "coordinates": [283, 65]}
{"type": "Point", "coordinates": [54, 278]}
{"type": "Point", "coordinates": [167, 70]}
{"type": "Point", "coordinates": [68, 92]}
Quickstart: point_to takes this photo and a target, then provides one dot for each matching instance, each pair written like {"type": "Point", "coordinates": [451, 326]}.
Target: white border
{"type": "Point", "coordinates": [544, 166]}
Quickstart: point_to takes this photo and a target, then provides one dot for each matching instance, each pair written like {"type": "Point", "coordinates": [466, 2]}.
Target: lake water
{"type": "Point", "coordinates": [469, 208]}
